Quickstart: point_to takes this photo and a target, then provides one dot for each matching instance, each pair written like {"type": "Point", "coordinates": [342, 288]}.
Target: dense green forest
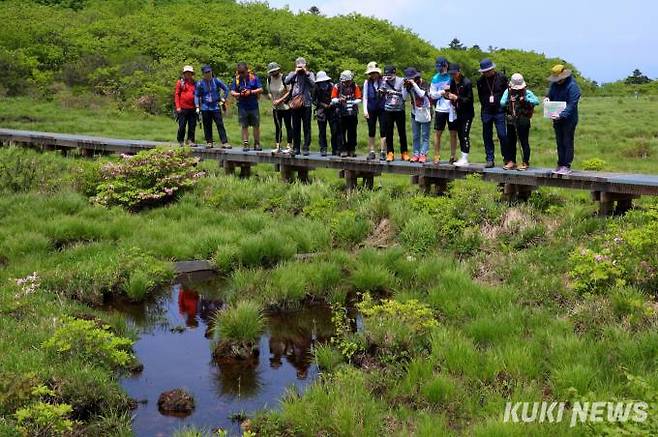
{"type": "Point", "coordinates": [134, 49]}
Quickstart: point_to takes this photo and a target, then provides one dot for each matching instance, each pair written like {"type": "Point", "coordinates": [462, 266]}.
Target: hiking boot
{"type": "Point", "coordinates": [511, 165]}
{"type": "Point", "coordinates": [404, 156]}
{"type": "Point", "coordinates": [422, 158]}
{"type": "Point", "coordinates": [489, 164]}
{"type": "Point", "coordinates": [245, 147]}
{"type": "Point", "coordinates": [390, 157]}
{"type": "Point", "coordinates": [452, 160]}
{"type": "Point", "coordinates": [415, 158]}
{"type": "Point", "coordinates": [462, 162]}
{"type": "Point", "coordinates": [523, 166]}
{"type": "Point", "coordinates": [371, 156]}
{"type": "Point", "coordinates": [382, 156]}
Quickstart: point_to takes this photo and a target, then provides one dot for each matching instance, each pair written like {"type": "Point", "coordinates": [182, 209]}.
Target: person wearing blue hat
{"type": "Point", "coordinates": [246, 89]}
{"type": "Point", "coordinates": [491, 87]}
{"type": "Point", "coordinates": [444, 110]}
{"type": "Point", "coordinates": [207, 99]}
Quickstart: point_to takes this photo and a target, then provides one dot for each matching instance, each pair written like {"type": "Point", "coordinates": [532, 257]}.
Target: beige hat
{"type": "Point", "coordinates": [517, 82]}
{"type": "Point", "coordinates": [188, 69]}
{"type": "Point", "coordinates": [373, 68]}
{"type": "Point", "coordinates": [559, 72]}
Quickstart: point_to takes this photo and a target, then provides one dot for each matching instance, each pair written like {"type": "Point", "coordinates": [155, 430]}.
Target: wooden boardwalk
{"type": "Point", "coordinates": [613, 191]}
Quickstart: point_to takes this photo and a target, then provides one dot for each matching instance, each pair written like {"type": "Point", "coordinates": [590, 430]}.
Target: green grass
{"type": "Point", "coordinates": [509, 324]}
{"type": "Point", "coordinates": [242, 323]}
{"type": "Point", "coordinates": [620, 131]}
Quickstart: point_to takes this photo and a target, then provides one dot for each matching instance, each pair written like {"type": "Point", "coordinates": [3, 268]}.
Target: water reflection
{"type": "Point", "coordinates": [175, 348]}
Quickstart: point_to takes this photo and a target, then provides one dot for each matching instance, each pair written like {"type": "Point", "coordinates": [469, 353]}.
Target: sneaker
{"type": "Point", "coordinates": [343, 154]}
{"type": "Point", "coordinates": [382, 156]}
{"type": "Point", "coordinates": [295, 152]}
{"type": "Point", "coordinates": [422, 158]}
{"type": "Point", "coordinates": [452, 160]}
{"type": "Point", "coordinates": [208, 145]}
{"type": "Point", "coordinates": [489, 164]}
{"type": "Point", "coordinates": [563, 171]}
{"type": "Point", "coordinates": [437, 159]}
{"type": "Point", "coordinates": [226, 146]}
{"type": "Point", "coordinates": [181, 144]}
{"type": "Point", "coordinates": [245, 147]}
{"type": "Point", "coordinates": [461, 162]}
{"type": "Point", "coordinates": [323, 152]}
{"type": "Point", "coordinates": [415, 158]}
{"type": "Point", "coordinates": [276, 150]}
{"type": "Point", "coordinates": [511, 165]}
{"type": "Point", "coordinates": [371, 156]}
{"type": "Point", "coordinates": [404, 156]}
{"type": "Point", "coordinates": [523, 166]}
{"type": "Point", "coordinates": [390, 157]}
{"type": "Point", "coordinates": [306, 153]}
{"type": "Point", "coordinates": [257, 148]}
{"type": "Point", "coordinates": [353, 154]}
{"type": "Point", "coordinates": [557, 170]}
{"type": "Point", "coordinates": [287, 150]}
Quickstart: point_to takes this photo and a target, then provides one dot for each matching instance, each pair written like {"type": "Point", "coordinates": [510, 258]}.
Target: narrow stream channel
{"type": "Point", "coordinates": [175, 348]}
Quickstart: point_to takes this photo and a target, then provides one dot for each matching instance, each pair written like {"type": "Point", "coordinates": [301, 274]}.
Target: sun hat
{"type": "Point", "coordinates": [559, 72]}
{"type": "Point", "coordinates": [188, 69]}
{"type": "Point", "coordinates": [272, 67]}
{"type": "Point", "coordinates": [390, 70]}
{"type": "Point", "coordinates": [373, 68]}
{"type": "Point", "coordinates": [322, 77]}
{"type": "Point", "coordinates": [206, 69]}
{"type": "Point", "coordinates": [300, 62]}
{"type": "Point", "coordinates": [411, 73]}
{"type": "Point", "coordinates": [454, 68]}
{"type": "Point", "coordinates": [441, 62]}
{"type": "Point", "coordinates": [486, 65]}
{"type": "Point", "coordinates": [345, 76]}
{"type": "Point", "coordinates": [517, 82]}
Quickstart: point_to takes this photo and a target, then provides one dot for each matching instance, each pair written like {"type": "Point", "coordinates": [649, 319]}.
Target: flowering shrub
{"type": "Point", "coordinates": [28, 285]}
{"type": "Point", "coordinates": [151, 177]}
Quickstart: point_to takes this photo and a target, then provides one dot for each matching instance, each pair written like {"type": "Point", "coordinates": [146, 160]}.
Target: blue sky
{"type": "Point", "coordinates": [605, 39]}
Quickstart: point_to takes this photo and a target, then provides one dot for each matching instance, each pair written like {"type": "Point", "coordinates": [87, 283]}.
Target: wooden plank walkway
{"type": "Point", "coordinates": [611, 190]}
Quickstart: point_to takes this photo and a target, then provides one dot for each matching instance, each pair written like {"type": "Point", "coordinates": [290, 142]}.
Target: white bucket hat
{"type": "Point", "coordinates": [322, 77]}
{"type": "Point", "coordinates": [188, 69]}
{"type": "Point", "coordinates": [346, 75]}
{"type": "Point", "coordinates": [517, 82]}
{"type": "Point", "coordinates": [373, 68]}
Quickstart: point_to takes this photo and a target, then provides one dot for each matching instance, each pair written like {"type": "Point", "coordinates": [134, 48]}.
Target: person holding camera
{"type": "Point", "coordinates": [278, 93]}
{"type": "Point", "coordinates": [421, 113]}
{"type": "Point", "coordinates": [185, 108]}
{"type": "Point", "coordinates": [246, 88]}
{"type": "Point", "coordinates": [394, 94]}
{"type": "Point", "coordinates": [302, 82]}
{"type": "Point", "coordinates": [346, 96]}
{"type": "Point", "coordinates": [461, 96]}
{"type": "Point", "coordinates": [373, 109]}
{"type": "Point", "coordinates": [519, 104]}
{"type": "Point", "coordinates": [325, 113]}
{"type": "Point", "coordinates": [445, 112]}
{"type": "Point", "coordinates": [208, 100]}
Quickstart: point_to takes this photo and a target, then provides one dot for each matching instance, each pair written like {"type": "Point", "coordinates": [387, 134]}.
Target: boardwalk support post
{"type": "Point", "coordinates": [516, 192]}
{"type": "Point", "coordinates": [427, 182]}
{"type": "Point", "coordinates": [613, 203]}
{"type": "Point", "coordinates": [352, 176]}
{"type": "Point", "coordinates": [288, 172]}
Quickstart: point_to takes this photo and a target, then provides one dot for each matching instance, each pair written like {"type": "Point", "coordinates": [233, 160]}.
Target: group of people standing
{"type": "Point", "coordinates": [447, 100]}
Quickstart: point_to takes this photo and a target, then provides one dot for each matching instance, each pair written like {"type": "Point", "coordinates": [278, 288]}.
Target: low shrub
{"type": "Point", "coordinates": [85, 340]}
{"type": "Point", "coordinates": [594, 164]}
{"type": "Point", "coordinates": [348, 228]}
{"type": "Point", "coordinates": [23, 170]}
{"type": "Point", "coordinates": [150, 178]}
{"type": "Point", "coordinates": [420, 234]}
{"type": "Point", "coordinates": [41, 418]}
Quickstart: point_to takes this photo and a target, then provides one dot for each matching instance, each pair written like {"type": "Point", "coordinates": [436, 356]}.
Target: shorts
{"type": "Point", "coordinates": [249, 117]}
{"type": "Point", "coordinates": [440, 120]}
{"type": "Point", "coordinates": [373, 118]}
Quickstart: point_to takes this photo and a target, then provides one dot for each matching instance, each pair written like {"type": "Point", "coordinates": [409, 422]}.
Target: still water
{"type": "Point", "coordinates": [175, 348]}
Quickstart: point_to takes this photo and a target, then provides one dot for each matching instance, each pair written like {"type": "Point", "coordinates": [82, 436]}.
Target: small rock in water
{"type": "Point", "coordinates": [176, 403]}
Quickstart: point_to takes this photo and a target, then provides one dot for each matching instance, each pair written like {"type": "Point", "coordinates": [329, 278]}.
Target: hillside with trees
{"type": "Point", "coordinates": [133, 49]}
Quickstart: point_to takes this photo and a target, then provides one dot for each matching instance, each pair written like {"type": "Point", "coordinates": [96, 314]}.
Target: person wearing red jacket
{"type": "Point", "coordinates": [185, 107]}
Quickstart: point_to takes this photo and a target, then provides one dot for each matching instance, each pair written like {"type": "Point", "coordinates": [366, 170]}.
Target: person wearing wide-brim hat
{"type": "Point", "coordinates": [278, 92]}
{"type": "Point", "coordinates": [210, 94]}
{"type": "Point", "coordinates": [185, 107]}
{"type": "Point", "coordinates": [564, 89]}
{"type": "Point", "coordinates": [373, 109]}
{"type": "Point", "coordinates": [519, 104]}
{"type": "Point", "coordinates": [491, 86]}
{"type": "Point", "coordinates": [346, 97]}
{"type": "Point", "coordinates": [461, 96]}
{"type": "Point", "coordinates": [325, 114]}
